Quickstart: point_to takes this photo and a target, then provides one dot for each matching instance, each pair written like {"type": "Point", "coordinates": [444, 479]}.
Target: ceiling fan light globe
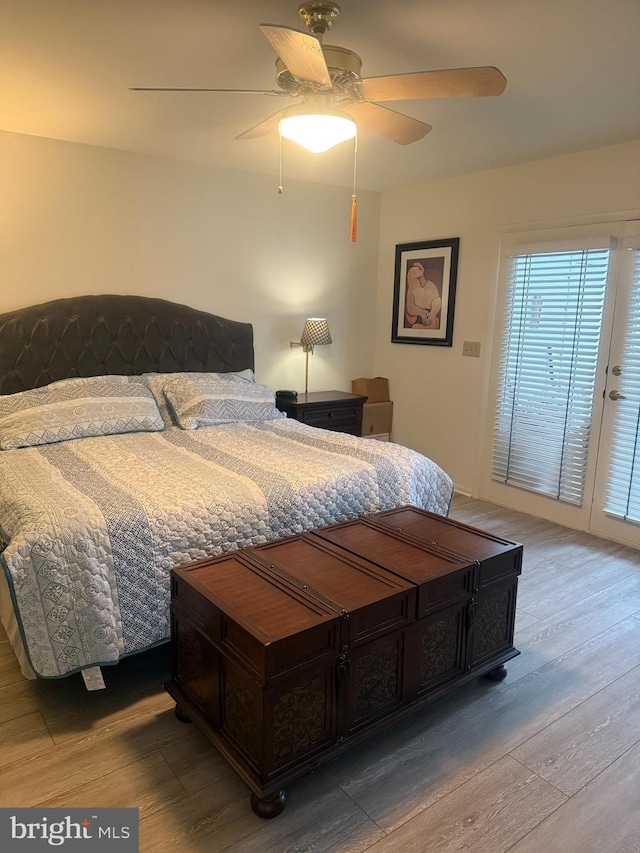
{"type": "Point", "coordinates": [317, 132]}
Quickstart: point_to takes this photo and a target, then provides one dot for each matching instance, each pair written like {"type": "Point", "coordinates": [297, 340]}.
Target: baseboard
{"type": "Point", "coordinates": [465, 491]}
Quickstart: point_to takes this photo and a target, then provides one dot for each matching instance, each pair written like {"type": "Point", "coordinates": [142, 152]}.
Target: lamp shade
{"type": "Point", "coordinates": [316, 332]}
{"type": "Point", "coordinates": [317, 131]}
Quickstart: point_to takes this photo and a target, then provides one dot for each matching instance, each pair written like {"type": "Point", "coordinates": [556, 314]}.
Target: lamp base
{"type": "Point", "coordinates": [306, 370]}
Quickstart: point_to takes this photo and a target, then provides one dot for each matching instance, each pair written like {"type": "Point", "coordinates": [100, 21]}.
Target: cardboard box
{"type": "Point", "coordinates": [376, 418]}
{"type": "Point", "coordinates": [377, 390]}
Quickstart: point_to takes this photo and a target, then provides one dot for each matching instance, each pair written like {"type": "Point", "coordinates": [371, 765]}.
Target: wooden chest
{"type": "Point", "coordinates": [286, 653]}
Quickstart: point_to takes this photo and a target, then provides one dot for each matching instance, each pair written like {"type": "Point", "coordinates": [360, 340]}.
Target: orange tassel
{"type": "Point", "coordinates": [354, 219]}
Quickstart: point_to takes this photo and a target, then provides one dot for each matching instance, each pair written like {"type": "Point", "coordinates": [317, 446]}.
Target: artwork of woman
{"type": "Point", "coordinates": [423, 299]}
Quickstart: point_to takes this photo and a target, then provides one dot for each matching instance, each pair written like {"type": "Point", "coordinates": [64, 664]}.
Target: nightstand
{"type": "Point", "coordinates": [335, 410]}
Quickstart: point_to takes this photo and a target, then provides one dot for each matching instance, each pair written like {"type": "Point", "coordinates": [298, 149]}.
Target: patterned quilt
{"type": "Point", "coordinates": [92, 527]}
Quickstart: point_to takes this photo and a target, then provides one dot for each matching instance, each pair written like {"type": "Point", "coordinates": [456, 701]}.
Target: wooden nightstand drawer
{"type": "Point", "coordinates": [337, 417]}
{"type": "Point", "coordinates": [334, 410]}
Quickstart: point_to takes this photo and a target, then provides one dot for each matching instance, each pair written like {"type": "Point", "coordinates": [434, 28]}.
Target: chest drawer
{"type": "Point", "coordinates": [328, 417]}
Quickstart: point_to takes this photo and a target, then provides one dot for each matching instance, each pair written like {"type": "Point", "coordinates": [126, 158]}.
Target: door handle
{"type": "Point", "coordinates": [616, 395]}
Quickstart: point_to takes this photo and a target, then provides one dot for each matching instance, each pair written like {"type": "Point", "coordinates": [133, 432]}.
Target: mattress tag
{"type": "Point", "coordinates": [93, 679]}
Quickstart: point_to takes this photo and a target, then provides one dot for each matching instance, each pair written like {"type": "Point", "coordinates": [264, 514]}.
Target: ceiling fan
{"type": "Point", "coordinates": [327, 80]}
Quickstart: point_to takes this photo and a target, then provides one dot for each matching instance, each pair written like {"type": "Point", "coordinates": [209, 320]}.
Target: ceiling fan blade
{"type": "Point", "coordinates": [228, 91]}
{"type": "Point", "coordinates": [267, 125]}
{"type": "Point", "coordinates": [385, 122]}
{"type": "Point", "coordinates": [448, 83]}
{"type": "Point", "coordinates": [300, 52]}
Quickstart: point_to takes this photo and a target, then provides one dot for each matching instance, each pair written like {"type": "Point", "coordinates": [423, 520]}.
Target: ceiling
{"type": "Point", "coordinates": [573, 70]}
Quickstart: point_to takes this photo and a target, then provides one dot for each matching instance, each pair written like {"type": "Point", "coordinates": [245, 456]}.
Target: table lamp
{"type": "Point", "coordinates": [315, 333]}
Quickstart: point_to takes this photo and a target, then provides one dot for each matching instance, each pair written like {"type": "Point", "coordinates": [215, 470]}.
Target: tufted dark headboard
{"type": "Point", "coordinates": [111, 334]}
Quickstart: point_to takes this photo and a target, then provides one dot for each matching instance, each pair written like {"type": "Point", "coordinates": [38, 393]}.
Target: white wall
{"type": "Point", "coordinates": [438, 394]}
{"type": "Point", "coordinates": [79, 219]}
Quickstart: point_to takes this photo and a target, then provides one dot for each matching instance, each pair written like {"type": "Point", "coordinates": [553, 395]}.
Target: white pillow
{"type": "Point", "coordinates": [219, 399]}
{"type": "Point", "coordinates": [156, 382]}
{"type": "Point", "coordinates": [77, 408]}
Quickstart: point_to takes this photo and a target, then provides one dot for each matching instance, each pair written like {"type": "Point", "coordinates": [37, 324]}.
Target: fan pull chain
{"type": "Point", "coordinates": [280, 190]}
{"type": "Point", "coordinates": [354, 198]}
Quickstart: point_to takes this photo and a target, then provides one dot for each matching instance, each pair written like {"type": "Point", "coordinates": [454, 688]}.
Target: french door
{"type": "Point", "coordinates": [565, 439]}
{"type": "Point", "coordinates": [615, 510]}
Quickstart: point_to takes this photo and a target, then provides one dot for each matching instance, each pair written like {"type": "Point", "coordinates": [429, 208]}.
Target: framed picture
{"type": "Point", "coordinates": [424, 292]}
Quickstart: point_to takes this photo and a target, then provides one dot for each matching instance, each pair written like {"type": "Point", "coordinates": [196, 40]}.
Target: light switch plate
{"type": "Point", "coordinates": [471, 348]}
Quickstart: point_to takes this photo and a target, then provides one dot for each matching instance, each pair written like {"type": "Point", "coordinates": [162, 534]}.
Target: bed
{"type": "Point", "coordinates": [93, 520]}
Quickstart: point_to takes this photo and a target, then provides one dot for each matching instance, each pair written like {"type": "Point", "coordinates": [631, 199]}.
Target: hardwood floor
{"type": "Point", "coordinates": [546, 761]}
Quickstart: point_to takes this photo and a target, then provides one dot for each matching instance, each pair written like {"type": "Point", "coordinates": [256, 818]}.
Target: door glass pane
{"type": "Point", "coordinates": [623, 492]}
{"type": "Point", "coordinates": [554, 310]}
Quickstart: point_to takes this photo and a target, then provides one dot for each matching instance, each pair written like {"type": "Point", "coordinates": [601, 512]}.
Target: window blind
{"type": "Point", "coordinates": [554, 309]}
{"type": "Point", "coordinates": [623, 491]}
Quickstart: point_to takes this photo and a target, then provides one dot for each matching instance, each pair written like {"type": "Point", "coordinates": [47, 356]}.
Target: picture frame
{"type": "Point", "coordinates": [424, 292]}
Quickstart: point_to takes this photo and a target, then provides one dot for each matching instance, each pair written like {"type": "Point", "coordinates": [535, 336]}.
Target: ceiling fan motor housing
{"type": "Point", "coordinates": [344, 69]}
